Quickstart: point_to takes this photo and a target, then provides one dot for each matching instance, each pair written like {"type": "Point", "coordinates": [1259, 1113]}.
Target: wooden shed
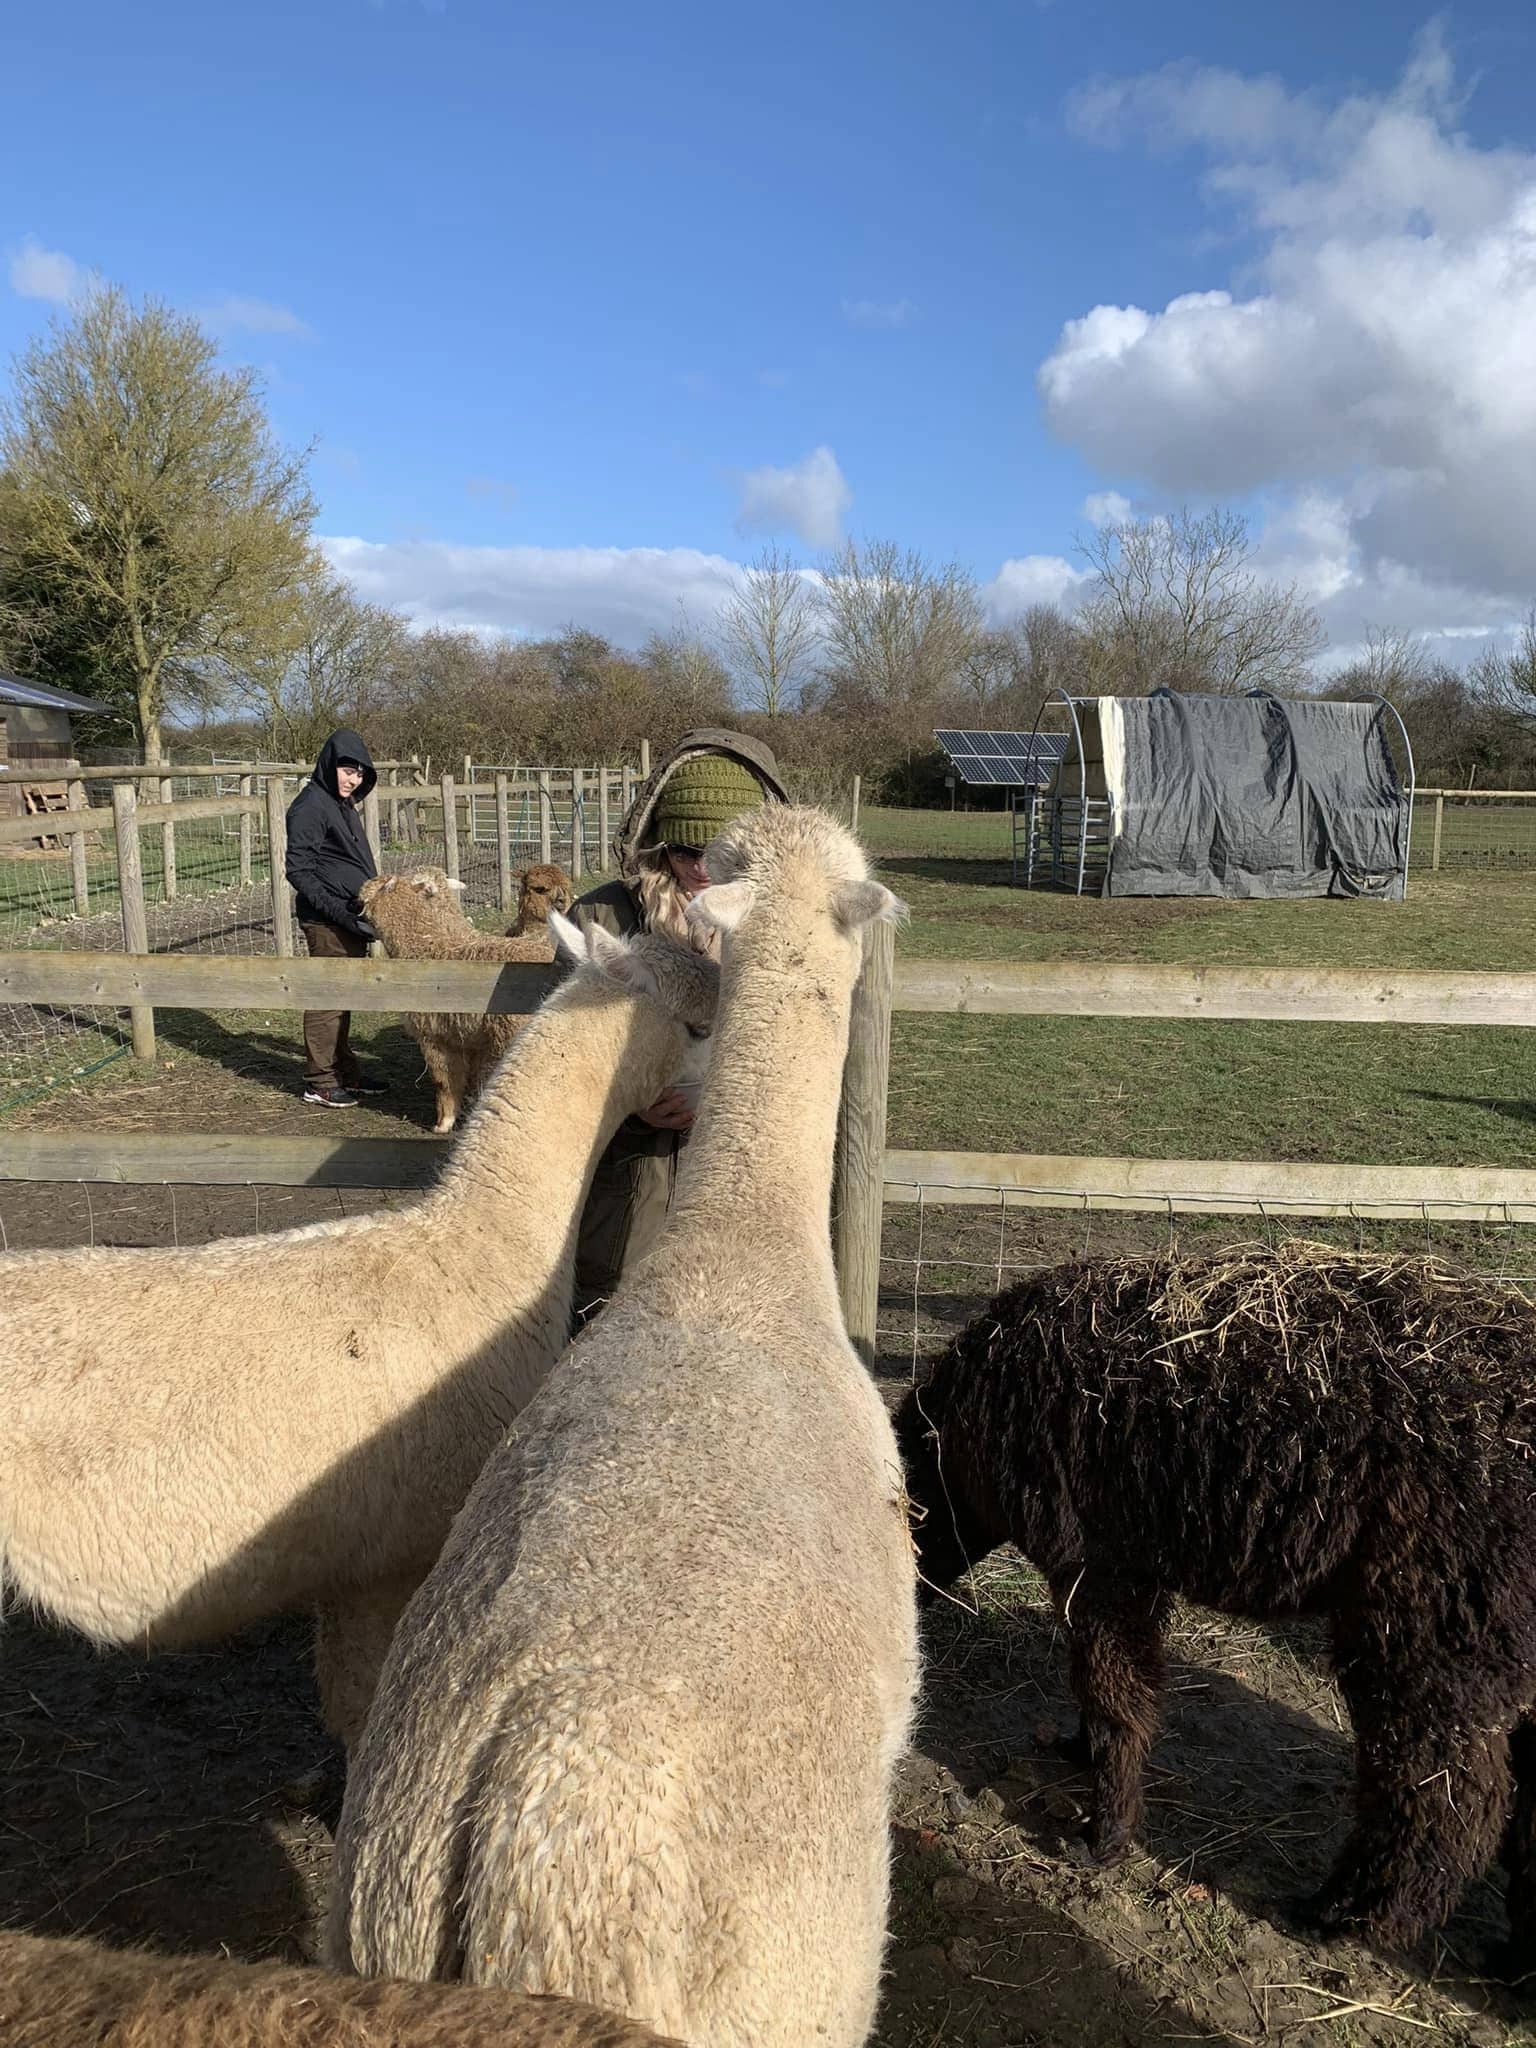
{"type": "Point", "coordinates": [37, 749]}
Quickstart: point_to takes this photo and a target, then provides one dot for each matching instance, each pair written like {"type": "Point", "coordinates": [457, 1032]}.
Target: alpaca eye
{"type": "Point", "coordinates": [698, 1031]}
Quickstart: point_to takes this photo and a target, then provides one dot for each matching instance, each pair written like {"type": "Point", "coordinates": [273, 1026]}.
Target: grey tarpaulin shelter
{"type": "Point", "coordinates": [1181, 795]}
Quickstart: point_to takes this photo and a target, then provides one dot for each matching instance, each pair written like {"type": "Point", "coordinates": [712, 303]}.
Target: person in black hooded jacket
{"type": "Point", "coordinates": [329, 859]}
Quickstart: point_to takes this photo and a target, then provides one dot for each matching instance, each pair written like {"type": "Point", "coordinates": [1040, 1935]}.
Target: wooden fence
{"type": "Point", "coordinates": [868, 1175]}
{"type": "Point", "coordinates": [262, 794]}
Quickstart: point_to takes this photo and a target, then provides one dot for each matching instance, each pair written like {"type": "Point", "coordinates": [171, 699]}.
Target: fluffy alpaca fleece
{"type": "Point", "coordinates": [191, 1440]}
{"type": "Point", "coordinates": [1274, 1434]}
{"type": "Point", "coordinates": [72, 1994]}
{"type": "Point", "coordinates": [418, 918]}
{"type": "Point", "coordinates": [635, 1736]}
{"type": "Point", "coordinates": [540, 889]}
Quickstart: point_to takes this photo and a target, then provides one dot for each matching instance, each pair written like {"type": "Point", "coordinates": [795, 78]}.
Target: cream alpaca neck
{"type": "Point", "coordinates": [767, 1124]}
{"type": "Point", "coordinates": [577, 1068]}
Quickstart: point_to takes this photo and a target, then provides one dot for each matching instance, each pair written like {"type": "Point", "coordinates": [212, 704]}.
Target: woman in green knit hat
{"type": "Point", "coordinates": [710, 777]}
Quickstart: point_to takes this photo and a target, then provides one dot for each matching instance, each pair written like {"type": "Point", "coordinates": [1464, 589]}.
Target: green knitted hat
{"type": "Point", "coordinates": [700, 796]}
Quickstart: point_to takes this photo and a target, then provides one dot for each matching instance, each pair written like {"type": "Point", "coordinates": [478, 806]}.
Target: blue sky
{"type": "Point", "coordinates": [582, 306]}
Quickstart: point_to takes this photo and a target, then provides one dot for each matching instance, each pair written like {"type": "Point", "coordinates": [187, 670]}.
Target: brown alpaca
{"type": "Point", "coordinates": [73, 1994]}
{"type": "Point", "coordinates": [1274, 1434]}
{"type": "Point", "coordinates": [541, 889]}
{"type": "Point", "coordinates": [418, 917]}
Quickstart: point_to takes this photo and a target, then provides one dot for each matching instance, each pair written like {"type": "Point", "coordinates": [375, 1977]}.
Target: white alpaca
{"type": "Point", "coordinates": [634, 1739]}
{"type": "Point", "coordinates": [191, 1440]}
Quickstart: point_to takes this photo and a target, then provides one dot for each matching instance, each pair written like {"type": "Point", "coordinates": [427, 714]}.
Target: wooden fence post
{"type": "Point", "coordinates": [130, 888]}
{"type": "Point", "coordinates": [504, 897]}
{"type": "Point", "coordinates": [602, 816]}
{"type": "Point", "coordinates": [858, 783]}
{"type": "Point", "coordinates": [168, 843]}
{"type": "Point", "coordinates": [627, 788]}
{"type": "Point", "coordinates": [371, 823]}
{"type": "Point", "coordinates": [578, 825]}
{"type": "Point", "coordinates": [858, 1184]}
{"type": "Point", "coordinates": [450, 829]}
{"type": "Point", "coordinates": [1434, 851]}
{"type": "Point", "coordinates": [277, 859]}
{"type": "Point", "coordinates": [546, 817]}
{"type": "Point", "coordinates": [247, 788]}
{"type": "Point", "coordinates": [79, 875]}
{"type": "Point", "coordinates": [645, 759]}
{"type": "Point", "coordinates": [394, 810]}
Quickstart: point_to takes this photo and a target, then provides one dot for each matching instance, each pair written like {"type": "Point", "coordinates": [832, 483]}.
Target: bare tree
{"type": "Point", "coordinates": [149, 501]}
{"type": "Point", "coordinates": [1506, 678]}
{"type": "Point", "coordinates": [326, 665]}
{"type": "Point", "coordinates": [1175, 602]}
{"type": "Point", "coordinates": [768, 632]}
{"type": "Point", "coordinates": [897, 630]}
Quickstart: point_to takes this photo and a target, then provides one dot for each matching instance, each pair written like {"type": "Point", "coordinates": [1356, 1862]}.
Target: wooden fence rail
{"type": "Point", "coordinates": [867, 1174]}
{"type": "Point", "coordinates": [1207, 1187]}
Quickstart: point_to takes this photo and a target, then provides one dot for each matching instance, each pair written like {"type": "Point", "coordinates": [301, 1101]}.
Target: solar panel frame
{"type": "Point", "coordinates": [1009, 760]}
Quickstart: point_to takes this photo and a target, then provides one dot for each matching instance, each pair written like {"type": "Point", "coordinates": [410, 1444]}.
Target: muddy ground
{"type": "Point", "coordinates": [187, 1801]}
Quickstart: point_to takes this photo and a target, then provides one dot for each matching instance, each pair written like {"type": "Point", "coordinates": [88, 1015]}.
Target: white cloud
{"type": "Point", "coordinates": [235, 315]}
{"type": "Point", "coordinates": [809, 499]}
{"type": "Point", "coordinates": [1106, 508]}
{"type": "Point", "coordinates": [1380, 361]}
{"type": "Point", "coordinates": [1033, 579]}
{"type": "Point", "coordinates": [39, 273]}
{"type": "Point", "coordinates": [623, 593]}
{"type": "Point", "coordinates": [878, 312]}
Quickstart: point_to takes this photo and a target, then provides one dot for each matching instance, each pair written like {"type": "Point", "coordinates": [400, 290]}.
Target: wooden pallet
{"type": "Point", "coordinates": [41, 800]}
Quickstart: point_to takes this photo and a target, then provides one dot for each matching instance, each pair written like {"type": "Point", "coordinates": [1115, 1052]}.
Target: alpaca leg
{"type": "Point", "coordinates": [445, 1065]}
{"type": "Point", "coordinates": [1432, 1792]}
{"type": "Point", "coordinates": [1518, 1958]}
{"type": "Point", "coordinates": [351, 1643]}
{"type": "Point", "coordinates": [1117, 1675]}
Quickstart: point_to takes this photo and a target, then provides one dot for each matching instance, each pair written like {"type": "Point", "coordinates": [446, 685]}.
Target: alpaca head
{"type": "Point", "coordinates": [683, 984]}
{"type": "Point", "coordinates": [397, 905]}
{"type": "Point", "coordinates": [792, 854]}
{"type": "Point", "coordinates": [949, 1533]}
{"type": "Point", "coordinates": [542, 888]}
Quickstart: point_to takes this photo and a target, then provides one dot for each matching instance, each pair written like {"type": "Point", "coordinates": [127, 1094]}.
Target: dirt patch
{"type": "Point", "coordinates": [188, 1802]}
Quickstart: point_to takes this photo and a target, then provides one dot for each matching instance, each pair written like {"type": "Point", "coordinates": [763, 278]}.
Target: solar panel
{"type": "Point", "coordinates": [1009, 760]}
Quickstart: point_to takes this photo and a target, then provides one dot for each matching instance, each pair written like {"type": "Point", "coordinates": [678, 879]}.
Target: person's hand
{"type": "Point", "coordinates": [365, 929]}
{"type": "Point", "coordinates": [671, 1111]}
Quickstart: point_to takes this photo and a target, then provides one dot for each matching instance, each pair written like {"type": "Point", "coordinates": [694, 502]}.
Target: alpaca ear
{"type": "Point", "coordinates": [618, 961]}
{"type": "Point", "coordinates": [456, 887]}
{"type": "Point", "coordinates": [857, 904]}
{"type": "Point", "coordinates": [570, 943]}
{"type": "Point", "coordinates": [723, 905]}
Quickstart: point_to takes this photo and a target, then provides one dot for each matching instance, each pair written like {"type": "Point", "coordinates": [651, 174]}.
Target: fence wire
{"type": "Point", "coordinates": [941, 1262]}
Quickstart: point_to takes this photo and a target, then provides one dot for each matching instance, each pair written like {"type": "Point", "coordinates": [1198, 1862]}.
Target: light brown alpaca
{"type": "Point", "coordinates": [541, 889]}
{"type": "Point", "coordinates": [418, 917]}
{"type": "Point", "coordinates": [634, 1738]}
{"type": "Point", "coordinates": [72, 1994]}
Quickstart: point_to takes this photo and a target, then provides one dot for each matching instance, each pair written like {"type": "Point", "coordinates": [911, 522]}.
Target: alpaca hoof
{"type": "Point", "coordinates": [1108, 1842]}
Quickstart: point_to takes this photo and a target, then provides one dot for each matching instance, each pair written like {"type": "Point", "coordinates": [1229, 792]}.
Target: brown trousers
{"type": "Point", "coordinates": [329, 1060]}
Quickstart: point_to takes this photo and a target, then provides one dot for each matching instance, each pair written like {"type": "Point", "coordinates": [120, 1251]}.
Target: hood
{"type": "Point", "coordinates": [345, 745]}
{"type": "Point", "coordinates": [754, 755]}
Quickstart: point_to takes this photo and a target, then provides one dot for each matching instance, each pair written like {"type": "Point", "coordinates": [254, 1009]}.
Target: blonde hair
{"type": "Point", "coordinates": [663, 904]}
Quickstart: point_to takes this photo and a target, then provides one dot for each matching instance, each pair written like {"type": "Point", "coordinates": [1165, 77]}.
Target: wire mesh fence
{"type": "Point", "coordinates": [941, 1263]}
{"type": "Point", "coordinates": [207, 884]}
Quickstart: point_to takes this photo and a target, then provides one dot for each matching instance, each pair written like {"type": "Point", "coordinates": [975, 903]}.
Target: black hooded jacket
{"type": "Point", "coordinates": [329, 857]}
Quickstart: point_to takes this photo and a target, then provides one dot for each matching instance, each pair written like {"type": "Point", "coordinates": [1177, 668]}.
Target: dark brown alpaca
{"type": "Point", "coordinates": [1274, 1434]}
{"type": "Point", "coordinates": [72, 1994]}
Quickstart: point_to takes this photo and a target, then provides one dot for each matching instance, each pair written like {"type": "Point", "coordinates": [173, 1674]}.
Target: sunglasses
{"type": "Point", "coordinates": [683, 852]}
